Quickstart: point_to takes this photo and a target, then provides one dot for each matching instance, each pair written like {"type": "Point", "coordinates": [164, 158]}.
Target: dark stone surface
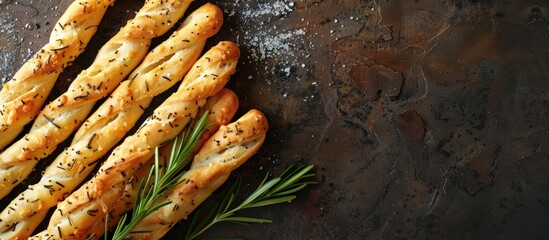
{"type": "Point", "coordinates": [426, 119]}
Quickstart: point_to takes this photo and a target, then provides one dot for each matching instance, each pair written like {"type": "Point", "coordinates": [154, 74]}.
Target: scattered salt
{"type": "Point", "coordinates": [8, 48]}
{"type": "Point", "coordinates": [267, 41]}
{"type": "Point", "coordinates": [287, 71]}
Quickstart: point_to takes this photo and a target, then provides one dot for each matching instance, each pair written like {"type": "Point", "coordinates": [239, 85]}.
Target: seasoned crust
{"type": "Point", "coordinates": [23, 96]}
{"type": "Point", "coordinates": [165, 123]}
{"type": "Point", "coordinates": [167, 63]}
{"type": "Point", "coordinates": [222, 107]}
{"type": "Point", "coordinates": [225, 151]}
{"type": "Point", "coordinates": [115, 60]}
{"type": "Point", "coordinates": [108, 125]}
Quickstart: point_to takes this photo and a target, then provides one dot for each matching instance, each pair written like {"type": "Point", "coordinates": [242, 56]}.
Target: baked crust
{"type": "Point", "coordinates": [116, 59]}
{"type": "Point", "coordinates": [22, 97]}
{"type": "Point", "coordinates": [114, 118]}
{"type": "Point", "coordinates": [225, 151]}
{"type": "Point", "coordinates": [75, 215]}
{"type": "Point", "coordinates": [221, 107]}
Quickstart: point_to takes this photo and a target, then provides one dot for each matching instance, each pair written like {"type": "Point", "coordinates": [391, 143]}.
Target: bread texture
{"type": "Point", "coordinates": [221, 107]}
{"type": "Point", "coordinates": [76, 214]}
{"type": "Point", "coordinates": [225, 151]}
{"type": "Point", "coordinates": [108, 125]}
{"type": "Point", "coordinates": [115, 60]}
{"type": "Point", "coordinates": [23, 96]}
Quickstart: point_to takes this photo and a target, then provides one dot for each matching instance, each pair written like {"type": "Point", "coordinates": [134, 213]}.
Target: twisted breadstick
{"type": "Point", "coordinates": [225, 151]}
{"type": "Point", "coordinates": [113, 63]}
{"type": "Point", "coordinates": [23, 96]}
{"type": "Point", "coordinates": [110, 122]}
{"type": "Point", "coordinates": [76, 214]}
{"type": "Point", "coordinates": [222, 108]}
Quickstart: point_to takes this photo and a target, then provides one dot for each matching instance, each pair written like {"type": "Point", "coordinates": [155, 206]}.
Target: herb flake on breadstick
{"type": "Point", "coordinates": [164, 180]}
{"type": "Point", "coordinates": [114, 61]}
{"type": "Point", "coordinates": [22, 97]}
{"type": "Point", "coordinates": [221, 108]}
{"type": "Point", "coordinates": [110, 123]}
{"type": "Point", "coordinates": [225, 151]}
{"type": "Point", "coordinates": [104, 189]}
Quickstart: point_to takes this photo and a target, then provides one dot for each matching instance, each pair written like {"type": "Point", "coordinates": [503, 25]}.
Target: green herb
{"type": "Point", "coordinates": [276, 190]}
{"type": "Point", "coordinates": [164, 180]}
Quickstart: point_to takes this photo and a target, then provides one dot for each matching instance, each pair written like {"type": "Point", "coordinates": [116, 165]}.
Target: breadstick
{"type": "Point", "coordinates": [113, 63]}
{"type": "Point", "coordinates": [118, 115]}
{"type": "Point", "coordinates": [222, 107]}
{"type": "Point", "coordinates": [76, 214]}
{"type": "Point", "coordinates": [225, 151]}
{"type": "Point", "coordinates": [23, 96]}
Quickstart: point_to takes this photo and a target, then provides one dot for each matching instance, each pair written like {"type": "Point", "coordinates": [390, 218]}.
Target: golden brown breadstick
{"type": "Point", "coordinates": [75, 215]}
{"type": "Point", "coordinates": [225, 151]}
{"type": "Point", "coordinates": [221, 107]}
{"type": "Point", "coordinates": [62, 116]}
{"type": "Point", "coordinates": [110, 122]}
{"type": "Point", "coordinates": [23, 96]}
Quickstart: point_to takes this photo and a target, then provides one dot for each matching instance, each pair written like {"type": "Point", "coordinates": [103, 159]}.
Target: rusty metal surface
{"type": "Point", "coordinates": [425, 119]}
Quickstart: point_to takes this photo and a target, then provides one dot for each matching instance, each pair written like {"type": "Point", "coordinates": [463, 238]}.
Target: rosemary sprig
{"type": "Point", "coordinates": [164, 180]}
{"type": "Point", "coordinates": [269, 192]}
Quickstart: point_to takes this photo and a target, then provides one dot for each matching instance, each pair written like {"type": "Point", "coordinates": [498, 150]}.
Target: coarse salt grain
{"type": "Point", "coordinates": [268, 40]}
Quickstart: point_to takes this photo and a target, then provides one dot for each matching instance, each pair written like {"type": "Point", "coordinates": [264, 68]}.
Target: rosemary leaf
{"type": "Point", "coordinates": [257, 194]}
{"type": "Point", "coordinates": [272, 201]}
{"type": "Point", "coordinates": [159, 182]}
{"type": "Point", "coordinates": [247, 220]}
{"type": "Point", "coordinates": [229, 198]}
{"type": "Point", "coordinates": [293, 189]}
{"type": "Point", "coordinates": [269, 192]}
{"type": "Point", "coordinates": [294, 177]}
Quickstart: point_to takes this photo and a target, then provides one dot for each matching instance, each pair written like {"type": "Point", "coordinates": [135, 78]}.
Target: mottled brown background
{"type": "Point", "coordinates": [426, 119]}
